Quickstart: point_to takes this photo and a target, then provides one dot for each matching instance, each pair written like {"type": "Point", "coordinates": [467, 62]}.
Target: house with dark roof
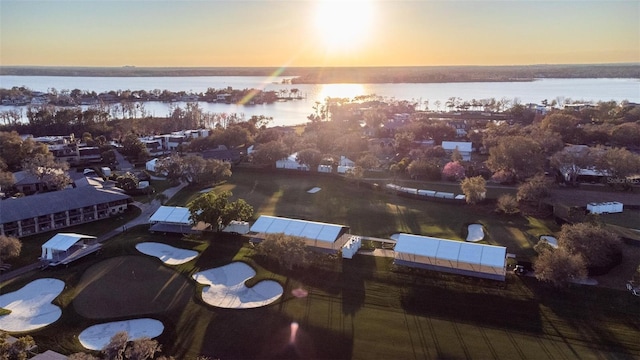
{"type": "Point", "coordinates": [59, 209]}
{"type": "Point", "coordinates": [223, 154]}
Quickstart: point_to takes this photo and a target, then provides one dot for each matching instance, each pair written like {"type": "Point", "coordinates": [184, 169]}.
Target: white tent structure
{"type": "Point", "coordinates": [318, 235]}
{"type": "Point", "coordinates": [173, 219]}
{"type": "Point", "coordinates": [66, 247]}
{"type": "Point", "coordinates": [291, 162]}
{"type": "Point", "coordinates": [171, 215]}
{"type": "Point", "coordinates": [457, 257]}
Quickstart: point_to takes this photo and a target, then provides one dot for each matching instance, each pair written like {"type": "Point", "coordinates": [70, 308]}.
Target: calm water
{"type": "Point", "coordinates": [296, 112]}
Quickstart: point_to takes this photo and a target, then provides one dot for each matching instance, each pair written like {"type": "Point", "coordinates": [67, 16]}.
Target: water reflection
{"type": "Point", "coordinates": [342, 91]}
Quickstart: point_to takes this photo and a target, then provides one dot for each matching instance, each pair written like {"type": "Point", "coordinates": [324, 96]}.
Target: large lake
{"type": "Point", "coordinates": [296, 112]}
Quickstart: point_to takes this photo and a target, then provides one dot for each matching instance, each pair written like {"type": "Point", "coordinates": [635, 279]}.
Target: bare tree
{"type": "Point", "coordinates": [507, 204]}
{"type": "Point", "coordinates": [116, 347]}
{"type": "Point", "coordinates": [10, 247]}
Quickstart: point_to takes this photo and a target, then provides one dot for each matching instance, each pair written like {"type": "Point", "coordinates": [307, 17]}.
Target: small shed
{"type": "Point", "coordinates": [151, 165]}
{"type": "Point", "coordinates": [345, 161]}
{"type": "Point", "coordinates": [65, 247]}
{"type": "Point", "coordinates": [237, 227]}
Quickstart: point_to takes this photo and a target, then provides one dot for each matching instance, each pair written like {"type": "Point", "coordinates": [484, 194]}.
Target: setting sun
{"type": "Point", "coordinates": [344, 24]}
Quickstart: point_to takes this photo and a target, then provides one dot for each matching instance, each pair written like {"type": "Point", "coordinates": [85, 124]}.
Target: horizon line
{"type": "Point", "coordinates": [314, 66]}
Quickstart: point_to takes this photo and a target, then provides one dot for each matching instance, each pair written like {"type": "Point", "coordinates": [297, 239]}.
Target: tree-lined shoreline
{"type": "Point", "coordinates": [320, 75]}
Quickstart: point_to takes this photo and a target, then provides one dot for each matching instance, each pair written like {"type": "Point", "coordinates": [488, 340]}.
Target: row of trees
{"type": "Point", "coordinates": [120, 347]}
{"type": "Point", "coordinates": [193, 169]}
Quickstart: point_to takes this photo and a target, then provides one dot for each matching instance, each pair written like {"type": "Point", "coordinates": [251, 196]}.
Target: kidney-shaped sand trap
{"type": "Point", "coordinates": [31, 306]}
{"type": "Point", "coordinates": [226, 287]}
{"type": "Point", "coordinates": [97, 336]}
{"type": "Point", "coordinates": [475, 233]}
{"type": "Point", "coordinates": [168, 254]}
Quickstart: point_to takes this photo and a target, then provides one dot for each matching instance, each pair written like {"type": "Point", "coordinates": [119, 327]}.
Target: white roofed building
{"type": "Point", "coordinates": [457, 257]}
{"type": "Point", "coordinates": [291, 162]}
{"type": "Point", "coordinates": [66, 247]}
{"type": "Point", "coordinates": [174, 219]}
{"type": "Point", "coordinates": [320, 236]}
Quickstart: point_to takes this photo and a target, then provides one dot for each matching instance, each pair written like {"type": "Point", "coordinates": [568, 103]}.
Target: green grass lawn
{"type": "Point", "coordinates": [364, 308]}
{"type": "Point", "coordinates": [375, 213]}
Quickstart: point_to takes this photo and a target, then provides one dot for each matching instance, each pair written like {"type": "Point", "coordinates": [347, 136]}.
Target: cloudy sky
{"type": "Point", "coordinates": [317, 33]}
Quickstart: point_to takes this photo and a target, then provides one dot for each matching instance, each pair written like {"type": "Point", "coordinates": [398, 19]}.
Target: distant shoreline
{"type": "Point", "coordinates": [372, 75]}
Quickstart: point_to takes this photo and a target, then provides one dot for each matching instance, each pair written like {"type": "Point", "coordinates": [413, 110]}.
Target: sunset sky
{"type": "Point", "coordinates": [312, 33]}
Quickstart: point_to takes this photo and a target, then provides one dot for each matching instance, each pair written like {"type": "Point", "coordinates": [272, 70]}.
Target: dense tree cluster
{"type": "Point", "coordinates": [507, 204]}
{"type": "Point", "coordinates": [582, 248]}
{"type": "Point", "coordinates": [288, 251]}
{"type": "Point", "coordinates": [474, 189]}
{"type": "Point", "coordinates": [193, 169]}
{"type": "Point", "coordinates": [18, 350]}
{"type": "Point", "coordinates": [217, 211]}
{"type": "Point", "coordinates": [559, 267]}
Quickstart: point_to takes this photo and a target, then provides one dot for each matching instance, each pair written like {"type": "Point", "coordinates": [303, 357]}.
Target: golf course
{"type": "Point", "coordinates": [360, 308]}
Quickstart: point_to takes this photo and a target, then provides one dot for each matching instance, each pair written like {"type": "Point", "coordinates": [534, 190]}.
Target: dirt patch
{"type": "Point", "coordinates": [128, 286]}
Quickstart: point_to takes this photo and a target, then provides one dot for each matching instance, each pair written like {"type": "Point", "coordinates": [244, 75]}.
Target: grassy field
{"type": "Point", "coordinates": [364, 308]}
{"type": "Point", "coordinates": [375, 213]}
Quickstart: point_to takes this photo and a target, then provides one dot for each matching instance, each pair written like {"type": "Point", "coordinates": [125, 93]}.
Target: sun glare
{"type": "Point", "coordinates": [341, 91]}
{"type": "Point", "coordinates": [344, 24]}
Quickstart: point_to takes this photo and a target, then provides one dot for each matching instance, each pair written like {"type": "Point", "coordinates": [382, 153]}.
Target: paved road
{"type": "Point", "coordinates": [123, 164]}
{"type": "Point", "coordinates": [143, 218]}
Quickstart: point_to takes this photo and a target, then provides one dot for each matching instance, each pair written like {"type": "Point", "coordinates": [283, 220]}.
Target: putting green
{"type": "Point", "coordinates": [128, 286]}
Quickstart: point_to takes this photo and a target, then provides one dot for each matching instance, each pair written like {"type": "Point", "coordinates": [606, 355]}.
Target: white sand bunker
{"type": "Point", "coordinates": [97, 336]}
{"type": "Point", "coordinates": [227, 290]}
{"type": "Point", "coordinates": [31, 306]}
{"type": "Point", "coordinates": [552, 241]}
{"type": "Point", "coordinates": [168, 254]}
{"type": "Point", "coordinates": [475, 233]}
{"type": "Point", "coordinates": [314, 190]}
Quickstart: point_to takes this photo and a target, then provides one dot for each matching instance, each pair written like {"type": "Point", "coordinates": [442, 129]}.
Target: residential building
{"type": "Point", "coordinates": [59, 209]}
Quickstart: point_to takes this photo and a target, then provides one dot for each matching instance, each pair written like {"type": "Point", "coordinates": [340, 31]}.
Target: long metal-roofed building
{"type": "Point", "coordinates": [457, 257]}
{"type": "Point", "coordinates": [59, 209]}
{"type": "Point", "coordinates": [319, 236]}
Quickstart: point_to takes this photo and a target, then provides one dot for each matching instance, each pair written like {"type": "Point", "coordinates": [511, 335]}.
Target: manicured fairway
{"type": "Point", "coordinates": [364, 308]}
{"type": "Point", "coordinates": [129, 286]}
{"type": "Point", "coordinates": [375, 213]}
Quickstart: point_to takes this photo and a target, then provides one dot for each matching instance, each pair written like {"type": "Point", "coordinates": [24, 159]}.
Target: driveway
{"type": "Point", "coordinates": [123, 164]}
